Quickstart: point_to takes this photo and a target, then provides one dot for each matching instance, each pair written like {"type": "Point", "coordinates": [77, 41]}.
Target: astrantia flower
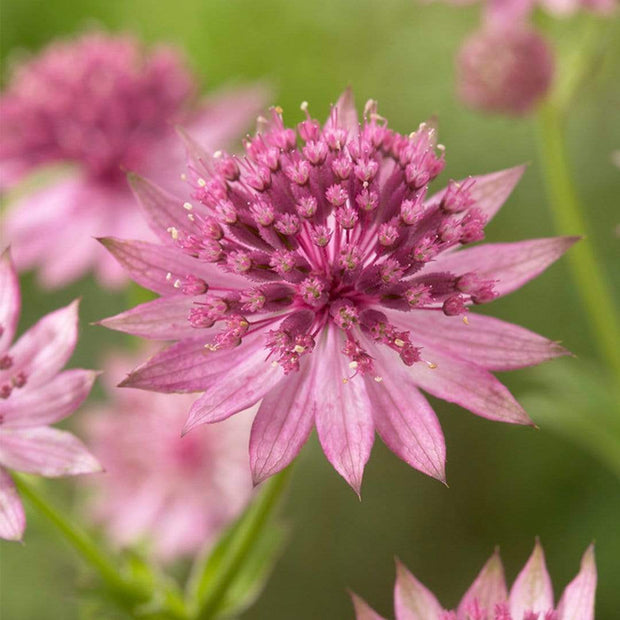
{"type": "Point", "coordinates": [33, 394]}
{"type": "Point", "coordinates": [175, 492]}
{"type": "Point", "coordinates": [530, 598]}
{"type": "Point", "coordinates": [104, 104]}
{"type": "Point", "coordinates": [505, 69]}
{"type": "Point", "coordinates": [320, 280]}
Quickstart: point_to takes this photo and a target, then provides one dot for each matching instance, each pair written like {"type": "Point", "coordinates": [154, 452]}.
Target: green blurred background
{"type": "Point", "coordinates": [507, 484]}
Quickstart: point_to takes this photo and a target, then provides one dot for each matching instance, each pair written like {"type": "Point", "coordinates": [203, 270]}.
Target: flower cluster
{"type": "Point", "coordinates": [177, 493]}
{"type": "Point", "coordinates": [320, 279]}
{"type": "Point", "coordinates": [530, 598]}
{"type": "Point", "coordinates": [33, 395]}
{"type": "Point", "coordinates": [105, 105]}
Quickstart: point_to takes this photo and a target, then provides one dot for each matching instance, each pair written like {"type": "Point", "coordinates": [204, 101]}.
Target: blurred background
{"type": "Point", "coordinates": [507, 484]}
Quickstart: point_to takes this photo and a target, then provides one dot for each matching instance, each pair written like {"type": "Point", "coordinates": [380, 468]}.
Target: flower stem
{"type": "Point", "coordinates": [587, 272]}
{"type": "Point", "coordinates": [124, 592]}
{"type": "Point", "coordinates": [240, 546]}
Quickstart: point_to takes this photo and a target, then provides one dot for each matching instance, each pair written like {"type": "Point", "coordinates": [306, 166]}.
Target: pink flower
{"type": "Point", "coordinates": [530, 598]}
{"type": "Point", "coordinates": [34, 394]}
{"type": "Point", "coordinates": [320, 281]}
{"type": "Point", "coordinates": [177, 493]}
{"type": "Point", "coordinates": [504, 69]}
{"type": "Point", "coordinates": [103, 104]}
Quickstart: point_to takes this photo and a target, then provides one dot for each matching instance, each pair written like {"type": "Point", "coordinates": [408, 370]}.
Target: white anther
{"type": "Point", "coordinates": [190, 217]}
{"type": "Point", "coordinates": [274, 364]}
{"type": "Point", "coordinates": [299, 349]}
{"type": "Point", "coordinates": [174, 233]}
{"type": "Point", "coordinates": [304, 106]}
{"type": "Point", "coordinates": [353, 365]}
{"type": "Point", "coordinates": [465, 320]}
{"type": "Point", "coordinates": [201, 182]}
{"type": "Point", "coordinates": [431, 365]}
{"type": "Point", "coordinates": [188, 206]}
{"type": "Point", "coordinates": [441, 147]}
{"type": "Point", "coordinates": [378, 379]}
{"type": "Point", "coordinates": [168, 277]}
{"type": "Point", "coordinates": [183, 176]}
{"type": "Point", "coordinates": [399, 343]}
{"type": "Point", "coordinates": [217, 154]}
{"type": "Point", "coordinates": [177, 284]}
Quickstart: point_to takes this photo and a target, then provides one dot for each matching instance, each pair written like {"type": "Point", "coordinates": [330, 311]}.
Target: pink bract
{"type": "Point", "coordinates": [321, 281]}
{"type": "Point", "coordinates": [175, 493]}
{"type": "Point", "coordinates": [530, 598]}
{"type": "Point", "coordinates": [103, 104]}
{"type": "Point", "coordinates": [34, 393]}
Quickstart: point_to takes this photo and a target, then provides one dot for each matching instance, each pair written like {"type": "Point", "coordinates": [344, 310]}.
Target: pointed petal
{"type": "Point", "coordinates": [343, 412]}
{"type": "Point", "coordinates": [46, 451]}
{"type": "Point", "coordinates": [227, 114]}
{"type": "Point", "coordinates": [362, 610]}
{"type": "Point", "coordinates": [469, 386]}
{"type": "Point", "coordinates": [487, 591]}
{"type": "Point", "coordinates": [577, 602]}
{"type": "Point", "coordinates": [45, 348]}
{"type": "Point", "coordinates": [48, 403]}
{"type": "Point", "coordinates": [186, 366]}
{"type": "Point", "coordinates": [532, 590]}
{"type": "Point", "coordinates": [149, 265]}
{"type": "Point", "coordinates": [161, 208]}
{"type": "Point", "coordinates": [403, 418]}
{"type": "Point", "coordinates": [346, 112]}
{"type": "Point", "coordinates": [283, 423]}
{"type": "Point", "coordinates": [413, 600]}
{"type": "Point", "coordinates": [511, 264]}
{"type": "Point", "coordinates": [483, 340]}
{"type": "Point", "coordinates": [238, 388]}
{"type": "Point", "coordinates": [10, 300]}
{"type": "Point", "coordinates": [12, 516]}
{"type": "Point", "coordinates": [161, 319]}
{"type": "Point", "coordinates": [490, 190]}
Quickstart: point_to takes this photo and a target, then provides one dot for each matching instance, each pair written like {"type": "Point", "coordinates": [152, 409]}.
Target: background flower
{"type": "Point", "coordinates": [531, 595]}
{"type": "Point", "coordinates": [34, 393]}
{"type": "Point", "coordinates": [177, 493]}
{"type": "Point", "coordinates": [104, 104]}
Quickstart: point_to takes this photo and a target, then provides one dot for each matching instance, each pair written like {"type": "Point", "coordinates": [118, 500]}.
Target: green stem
{"type": "Point", "coordinates": [592, 283]}
{"type": "Point", "coordinates": [124, 592]}
{"type": "Point", "coordinates": [259, 513]}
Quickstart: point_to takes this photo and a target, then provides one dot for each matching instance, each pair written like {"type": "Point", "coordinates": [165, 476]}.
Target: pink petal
{"type": "Point", "coordinates": [149, 265]}
{"type": "Point", "coordinates": [227, 114]}
{"type": "Point", "coordinates": [347, 114]}
{"type": "Point", "coordinates": [467, 385]}
{"type": "Point", "coordinates": [412, 600]}
{"type": "Point", "coordinates": [12, 516]}
{"type": "Point", "coordinates": [10, 300]}
{"type": "Point", "coordinates": [161, 209]}
{"type": "Point", "coordinates": [161, 319]}
{"type": "Point", "coordinates": [532, 590]}
{"type": "Point", "coordinates": [237, 388]}
{"type": "Point", "coordinates": [283, 423]}
{"type": "Point", "coordinates": [343, 412]}
{"type": "Point", "coordinates": [186, 366]}
{"type": "Point", "coordinates": [46, 451]}
{"type": "Point", "coordinates": [45, 348]}
{"type": "Point", "coordinates": [362, 610]}
{"type": "Point", "coordinates": [48, 403]}
{"type": "Point", "coordinates": [511, 264]}
{"type": "Point", "coordinates": [403, 418]}
{"type": "Point", "coordinates": [483, 340]}
{"type": "Point", "coordinates": [487, 591]}
{"type": "Point", "coordinates": [577, 602]}
{"type": "Point", "coordinates": [490, 190]}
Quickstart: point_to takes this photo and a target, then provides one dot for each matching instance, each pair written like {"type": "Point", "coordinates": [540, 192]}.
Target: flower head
{"type": "Point", "coordinates": [320, 280]}
{"type": "Point", "coordinates": [33, 394]}
{"type": "Point", "coordinates": [176, 492]}
{"type": "Point", "coordinates": [504, 69]}
{"type": "Point", "coordinates": [530, 598]}
{"type": "Point", "coordinates": [106, 105]}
